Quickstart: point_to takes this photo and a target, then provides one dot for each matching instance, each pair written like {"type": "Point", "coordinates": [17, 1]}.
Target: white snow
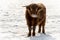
{"type": "Point", "coordinates": [13, 23]}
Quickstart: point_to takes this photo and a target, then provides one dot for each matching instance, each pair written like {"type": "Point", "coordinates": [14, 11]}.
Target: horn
{"type": "Point", "coordinates": [24, 6]}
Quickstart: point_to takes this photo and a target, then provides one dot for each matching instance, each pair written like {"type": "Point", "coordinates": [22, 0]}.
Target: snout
{"type": "Point", "coordinates": [34, 15]}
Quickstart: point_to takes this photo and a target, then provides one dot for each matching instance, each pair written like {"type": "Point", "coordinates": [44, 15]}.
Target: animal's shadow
{"type": "Point", "coordinates": [42, 37]}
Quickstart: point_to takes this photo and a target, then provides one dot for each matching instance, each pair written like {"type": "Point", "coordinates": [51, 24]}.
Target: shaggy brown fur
{"type": "Point", "coordinates": [40, 11]}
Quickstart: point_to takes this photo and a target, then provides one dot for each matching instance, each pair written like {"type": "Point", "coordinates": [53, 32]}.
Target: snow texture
{"type": "Point", "coordinates": [13, 23]}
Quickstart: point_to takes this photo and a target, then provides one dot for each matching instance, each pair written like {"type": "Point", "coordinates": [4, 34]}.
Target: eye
{"type": "Point", "coordinates": [39, 8]}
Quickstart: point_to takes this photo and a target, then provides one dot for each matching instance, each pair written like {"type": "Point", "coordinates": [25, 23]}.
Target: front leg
{"type": "Point", "coordinates": [34, 27]}
{"type": "Point", "coordinates": [29, 28]}
{"type": "Point", "coordinates": [39, 30]}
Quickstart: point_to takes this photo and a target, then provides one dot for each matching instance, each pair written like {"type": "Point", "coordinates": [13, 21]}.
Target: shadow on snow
{"type": "Point", "coordinates": [42, 37]}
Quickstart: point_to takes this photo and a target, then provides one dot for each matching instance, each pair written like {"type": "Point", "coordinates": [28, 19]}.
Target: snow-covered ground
{"type": "Point", "coordinates": [13, 24]}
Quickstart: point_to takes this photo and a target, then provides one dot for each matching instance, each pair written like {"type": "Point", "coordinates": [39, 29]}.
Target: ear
{"type": "Point", "coordinates": [28, 7]}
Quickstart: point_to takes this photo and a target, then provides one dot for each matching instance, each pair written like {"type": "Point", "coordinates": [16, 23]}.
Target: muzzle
{"type": "Point", "coordinates": [34, 15]}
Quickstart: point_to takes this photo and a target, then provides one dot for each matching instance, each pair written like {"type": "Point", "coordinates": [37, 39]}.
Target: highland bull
{"type": "Point", "coordinates": [35, 15]}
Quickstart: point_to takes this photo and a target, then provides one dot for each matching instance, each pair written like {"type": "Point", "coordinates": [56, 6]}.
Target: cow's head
{"type": "Point", "coordinates": [34, 10]}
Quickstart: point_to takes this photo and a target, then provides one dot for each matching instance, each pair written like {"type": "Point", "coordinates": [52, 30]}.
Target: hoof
{"type": "Point", "coordinates": [38, 31]}
{"type": "Point", "coordinates": [44, 33]}
{"type": "Point", "coordinates": [29, 35]}
{"type": "Point", "coordinates": [33, 34]}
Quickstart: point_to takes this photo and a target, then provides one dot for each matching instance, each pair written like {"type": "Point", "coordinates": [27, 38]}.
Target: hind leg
{"type": "Point", "coordinates": [43, 27]}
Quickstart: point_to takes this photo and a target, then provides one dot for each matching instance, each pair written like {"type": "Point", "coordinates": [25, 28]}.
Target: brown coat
{"type": "Point", "coordinates": [39, 10]}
